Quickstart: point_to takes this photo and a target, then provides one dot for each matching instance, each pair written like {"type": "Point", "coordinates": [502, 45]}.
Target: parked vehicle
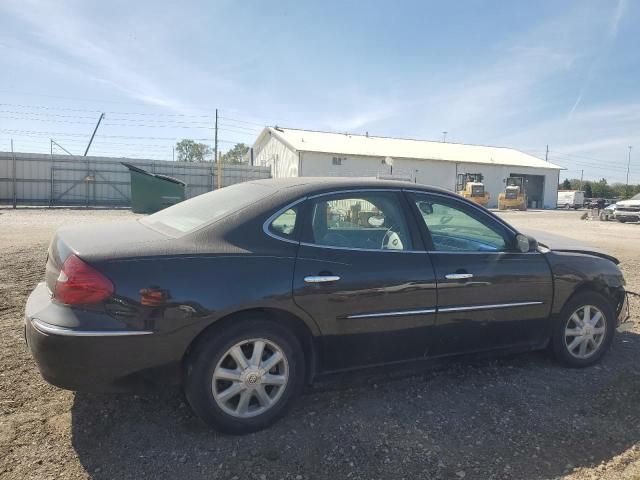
{"type": "Point", "coordinates": [628, 210]}
{"type": "Point", "coordinates": [608, 213]}
{"type": "Point", "coordinates": [570, 199]}
{"type": "Point", "coordinates": [470, 186]}
{"type": "Point", "coordinates": [514, 196]}
{"type": "Point", "coordinates": [247, 293]}
{"type": "Point", "coordinates": [598, 203]}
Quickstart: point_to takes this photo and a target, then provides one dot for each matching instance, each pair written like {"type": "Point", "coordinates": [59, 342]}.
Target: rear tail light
{"type": "Point", "coordinates": [80, 284]}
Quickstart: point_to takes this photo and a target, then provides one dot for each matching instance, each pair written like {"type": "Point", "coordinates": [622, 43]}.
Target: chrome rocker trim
{"type": "Point", "coordinates": [428, 311]}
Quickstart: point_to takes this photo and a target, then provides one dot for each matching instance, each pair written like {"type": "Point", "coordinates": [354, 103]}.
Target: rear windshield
{"type": "Point", "coordinates": [207, 208]}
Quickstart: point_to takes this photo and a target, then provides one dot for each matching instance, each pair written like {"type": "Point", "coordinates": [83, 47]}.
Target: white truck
{"type": "Point", "coordinates": [570, 199]}
{"type": "Point", "coordinates": [628, 210]}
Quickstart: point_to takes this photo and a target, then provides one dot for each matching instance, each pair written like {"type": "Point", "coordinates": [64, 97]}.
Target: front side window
{"type": "Point", "coordinates": [367, 220]}
{"type": "Point", "coordinates": [453, 228]}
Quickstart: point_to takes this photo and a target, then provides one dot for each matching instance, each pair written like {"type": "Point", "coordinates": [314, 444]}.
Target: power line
{"type": "Point", "coordinates": [98, 140]}
{"type": "Point", "coordinates": [253, 130]}
{"type": "Point", "coordinates": [67, 109]}
{"type": "Point", "coordinates": [579, 156]}
{"type": "Point", "coordinates": [45, 120]}
{"type": "Point", "coordinates": [116, 119]}
{"type": "Point", "coordinates": [63, 134]}
{"type": "Point", "coordinates": [154, 126]}
{"type": "Point", "coordinates": [226, 129]}
{"type": "Point", "coordinates": [41, 114]}
{"type": "Point", "coordinates": [106, 124]}
{"type": "Point", "coordinates": [598, 167]}
{"type": "Point", "coordinates": [243, 121]}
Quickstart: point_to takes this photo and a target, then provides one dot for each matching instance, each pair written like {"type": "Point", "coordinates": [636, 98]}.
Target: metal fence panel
{"type": "Point", "coordinates": [60, 180]}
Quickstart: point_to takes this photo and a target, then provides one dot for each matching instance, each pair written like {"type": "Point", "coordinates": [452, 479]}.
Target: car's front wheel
{"type": "Point", "coordinates": [244, 376]}
{"type": "Point", "coordinates": [585, 330]}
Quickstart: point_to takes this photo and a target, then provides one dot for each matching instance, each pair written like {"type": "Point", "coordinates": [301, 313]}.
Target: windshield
{"type": "Point", "coordinates": [187, 216]}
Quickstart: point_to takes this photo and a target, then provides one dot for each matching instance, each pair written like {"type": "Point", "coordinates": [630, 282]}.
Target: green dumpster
{"type": "Point", "coordinates": [151, 192]}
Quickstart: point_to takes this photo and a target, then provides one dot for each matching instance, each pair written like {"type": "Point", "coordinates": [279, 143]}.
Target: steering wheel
{"type": "Point", "coordinates": [444, 219]}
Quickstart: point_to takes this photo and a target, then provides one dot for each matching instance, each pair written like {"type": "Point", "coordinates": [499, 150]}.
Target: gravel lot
{"type": "Point", "coordinates": [513, 417]}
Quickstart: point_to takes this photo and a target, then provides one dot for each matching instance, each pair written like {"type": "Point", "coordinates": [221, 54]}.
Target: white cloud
{"type": "Point", "coordinates": [61, 32]}
{"type": "Point", "coordinates": [611, 35]}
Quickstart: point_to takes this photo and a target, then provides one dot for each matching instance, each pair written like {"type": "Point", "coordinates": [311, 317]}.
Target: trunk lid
{"type": "Point", "coordinates": [98, 242]}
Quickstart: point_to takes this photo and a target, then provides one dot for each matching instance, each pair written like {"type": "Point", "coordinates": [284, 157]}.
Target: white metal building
{"type": "Point", "coordinates": [292, 153]}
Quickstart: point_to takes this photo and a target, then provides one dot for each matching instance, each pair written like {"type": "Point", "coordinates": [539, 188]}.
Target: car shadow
{"type": "Point", "coordinates": [519, 416]}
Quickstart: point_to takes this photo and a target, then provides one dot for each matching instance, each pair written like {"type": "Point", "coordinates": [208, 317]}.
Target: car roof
{"type": "Point", "coordinates": [311, 185]}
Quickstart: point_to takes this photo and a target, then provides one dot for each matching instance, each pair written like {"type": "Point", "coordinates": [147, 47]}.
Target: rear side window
{"type": "Point", "coordinates": [284, 224]}
{"type": "Point", "coordinates": [363, 221]}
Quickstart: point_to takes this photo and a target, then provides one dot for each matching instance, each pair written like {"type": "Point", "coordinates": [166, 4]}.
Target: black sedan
{"type": "Point", "coordinates": [246, 293]}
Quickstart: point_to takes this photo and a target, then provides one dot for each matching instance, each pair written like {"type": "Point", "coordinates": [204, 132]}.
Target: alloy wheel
{"type": "Point", "coordinates": [585, 332]}
{"type": "Point", "coordinates": [250, 378]}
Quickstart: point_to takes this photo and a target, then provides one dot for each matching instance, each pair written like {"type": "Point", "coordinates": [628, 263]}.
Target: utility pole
{"type": "Point", "coordinates": [51, 177]}
{"type": "Point", "coordinates": [215, 142]}
{"type": "Point", "coordinates": [546, 154]}
{"type": "Point", "coordinates": [173, 153]}
{"type": "Point", "coordinates": [93, 134]}
{"type": "Point", "coordinates": [628, 167]}
{"type": "Point", "coordinates": [13, 155]}
{"type": "Point", "coordinates": [581, 177]}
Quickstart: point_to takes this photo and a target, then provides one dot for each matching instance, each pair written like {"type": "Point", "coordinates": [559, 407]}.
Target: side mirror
{"type": "Point", "coordinates": [525, 243]}
{"type": "Point", "coordinates": [425, 207]}
{"type": "Point", "coordinates": [375, 221]}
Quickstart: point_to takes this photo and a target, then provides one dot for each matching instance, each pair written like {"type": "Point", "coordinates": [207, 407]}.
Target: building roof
{"type": "Point", "coordinates": [349, 144]}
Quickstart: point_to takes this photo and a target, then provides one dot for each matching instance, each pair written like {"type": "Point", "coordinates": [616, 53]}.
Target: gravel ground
{"type": "Point", "coordinates": [512, 417]}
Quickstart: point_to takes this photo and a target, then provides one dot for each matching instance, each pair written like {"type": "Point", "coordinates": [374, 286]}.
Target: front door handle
{"type": "Point", "coordinates": [321, 278]}
{"type": "Point", "coordinates": [458, 276]}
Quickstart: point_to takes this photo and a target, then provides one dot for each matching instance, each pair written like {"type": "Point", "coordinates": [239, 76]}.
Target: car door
{"type": "Point", "coordinates": [363, 275]}
{"type": "Point", "coordinates": [490, 295]}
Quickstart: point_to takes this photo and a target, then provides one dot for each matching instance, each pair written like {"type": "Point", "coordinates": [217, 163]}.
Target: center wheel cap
{"type": "Point", "coordinates": [252, 378]}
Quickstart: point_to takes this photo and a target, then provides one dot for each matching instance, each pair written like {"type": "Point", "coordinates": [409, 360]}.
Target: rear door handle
{"type": "Point", "coordinates": [321, 278]}
{"type": "Point", "coordinates": [458, 276]}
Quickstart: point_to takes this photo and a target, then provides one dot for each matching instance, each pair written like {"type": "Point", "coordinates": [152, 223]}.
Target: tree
{"type": "Point", "coordinates": [237, 154]}
{"type": "Point", "coordinates": [190, 151]}
{"type": "Point", "coordinates": [566, 185]}
{"type": "Point", "coordinates": [601, 189]}
{"type": "Point", "coordinates": [587, 190]}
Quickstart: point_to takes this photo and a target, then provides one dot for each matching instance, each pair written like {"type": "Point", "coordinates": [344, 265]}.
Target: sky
{"type": "Point", "coordinates": [521, 74]}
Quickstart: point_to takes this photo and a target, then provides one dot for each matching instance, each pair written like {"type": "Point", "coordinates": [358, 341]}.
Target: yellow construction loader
{"type": "Point", "coordinates": [470, 186]}
{"type": "Point", "coordinates": [514, 196]}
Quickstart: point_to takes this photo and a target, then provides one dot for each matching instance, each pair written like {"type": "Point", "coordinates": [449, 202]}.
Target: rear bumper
{"type": "Point", "coordinates": [98, 359]}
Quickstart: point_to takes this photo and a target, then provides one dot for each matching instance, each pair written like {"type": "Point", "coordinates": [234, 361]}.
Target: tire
{"type": "Point", "coordinates": [212, 354]}
{"type": "Point", "coordinates": [561, 341]}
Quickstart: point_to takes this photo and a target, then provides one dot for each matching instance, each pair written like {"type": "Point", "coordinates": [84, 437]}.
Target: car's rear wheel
{"type": "Point", "coordinates": [243, 377]}
{"type": "Point", "coordinates": [585, 330]}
